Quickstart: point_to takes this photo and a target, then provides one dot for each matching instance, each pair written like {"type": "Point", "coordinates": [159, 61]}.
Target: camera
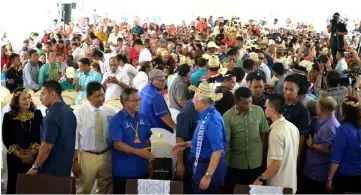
{"type": "Point", "coordinates": [352, 74]}
{"type": "Point", "coordinates": [334, 20]}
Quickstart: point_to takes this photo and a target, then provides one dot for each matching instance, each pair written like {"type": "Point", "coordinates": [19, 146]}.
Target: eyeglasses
{"type": "Point", "coordinates": [136, 100]}
{"type": "Point", "coordinates": [161, 80]}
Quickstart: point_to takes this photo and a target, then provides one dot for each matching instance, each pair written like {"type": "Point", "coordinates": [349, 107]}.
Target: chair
{"type": "Point", "coordinates": [82, 101]}
{"type": "Point", "coordinates": [176, 187]}
{"type": "Point", "coordinates": [244, 189]}
{"type": "Point", "coordinates": [70, 93]}
{"type": "Point", "coordinates": [114, 102]}
{"type": "Point", "coordinates": [74, 106]}
{"type": "Point", "coordinates": [4, 92]}
{"type": "Point", "coordinates": [45, 184]}
{"type": "Point", "coordinates": [68, 100]}
{"type": "Point", "coordinates": [7, 99]}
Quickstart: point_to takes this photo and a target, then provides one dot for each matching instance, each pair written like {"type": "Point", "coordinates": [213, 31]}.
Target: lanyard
{"type": "Point", "coordinates": [135, 129]}
{"type": "Point", "coordinates": [199, 142]}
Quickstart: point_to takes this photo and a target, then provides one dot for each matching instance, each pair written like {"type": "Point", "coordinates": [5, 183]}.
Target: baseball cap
{"type": "Point", "coordinates": [70, 73]}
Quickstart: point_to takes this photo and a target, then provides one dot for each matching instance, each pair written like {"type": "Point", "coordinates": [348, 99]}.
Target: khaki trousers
{"type": "Point", "coordinates": [95, 167]}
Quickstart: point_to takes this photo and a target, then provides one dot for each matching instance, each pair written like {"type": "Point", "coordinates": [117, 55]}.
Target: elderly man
{"type": "Point", "coordinates": [153, 103]}
{"type": "Point", "coordinates": [137, 29]}
{"type": "Point", "coordinates": [208, 143]}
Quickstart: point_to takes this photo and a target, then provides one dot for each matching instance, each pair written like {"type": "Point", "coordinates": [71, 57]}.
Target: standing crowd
{"type": "Point", "coordinates": [249, 103]}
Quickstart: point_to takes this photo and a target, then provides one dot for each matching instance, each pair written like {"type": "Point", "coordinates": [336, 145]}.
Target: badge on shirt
{"type": "Point", "coordinates": [127, 125]}
{"type": "Point", "coordinates": [141, 122]}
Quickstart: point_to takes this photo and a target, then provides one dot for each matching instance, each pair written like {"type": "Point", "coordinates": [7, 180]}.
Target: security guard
{"type": "Point", "coordinates": [130, 133]}
{"type": "Point", "coordinates": [208, 144]}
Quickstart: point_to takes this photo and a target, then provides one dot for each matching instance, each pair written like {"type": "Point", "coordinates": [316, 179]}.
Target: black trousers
{"type": "Point", "coordinates": [240, 176]}
{"type": "Point", "coordinates": [120, 183]}
{"type": "Point", "coordinates": [345, 184]}
{"type": "Point", "coordinates": [313, 187]}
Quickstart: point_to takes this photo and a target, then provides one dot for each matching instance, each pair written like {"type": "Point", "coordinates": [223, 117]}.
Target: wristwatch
{"type": "Point", "coordinates": [261, 179]}
{"type": "Point", "coordinates": [34, 168]}
{"type": "Point", "coordinates": [209, 175]}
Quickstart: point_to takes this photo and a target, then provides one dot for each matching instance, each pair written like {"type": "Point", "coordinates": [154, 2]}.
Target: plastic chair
{"type": "Point", "coordinates": [70, 93]}
{"type": "Point", "coordinates": [114, 102]}
{"type": "Point", "coordinates": [82, 101]}
{"type": "Point", "coordinates": [68, 100]}
{"type": "Point", "coordinates": [4, 92]}
{"type": "Point", "coordinates": [7, 99]}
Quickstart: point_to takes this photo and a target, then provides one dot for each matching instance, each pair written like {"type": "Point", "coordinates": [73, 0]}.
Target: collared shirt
{"type": "Point", "coordinates": [279, 85]}
{"type": "Point", "coordinates": [283, 145]}
{"type": "Point", "coordinates": [210, 74]}
{"type": "Point", "coordinates": [346, 149]}
{"type": "Point", "coordinates": [178, 91]}
{"type": "Point", "coordinates": [17, 76]}
{"type": "Point", "coordinates": [154, 106]}
{"type": "Point", "coordinates": [113, 89]}
{"type": "Point", "coordinates": [124, 164]}
{"type": "Point", "coordinates": [86, 128]}
{"type": "Point", "coordinates": [214, 137]}
{"type": "Point", "coordinates": [261, 103]}
{"type": "Point", "coordinates": [196, 76]}
{"type": "Point", "coordinates": [48, 73]}
{"type": "Point", "coordinates": [130, 71]}
{"type": "Point", "coordinates": [338, 93]}
{"type": "Point", "coordinates": [84, 79]}
{"type": "Point", "coordinates": [243, 136]}
{"type": "Point", "coordinates": [298, 114]}
{"type": "Point", "coordinates": [58, 127]}
{"type": "Point", "coordinates": [340, 67]}
{"type": "Point", "coordinates": [137, 29]}
{"type": "Point", "coordinates": [267, 72]}
{"type": "Point", "coordinates": [317, 164]}
{"type": "Point", "coordinates": [187, 121]}
{"type": "Point", "coordinates": [30, 76]}
{"type": "Point", "coordinates": [140, 80]}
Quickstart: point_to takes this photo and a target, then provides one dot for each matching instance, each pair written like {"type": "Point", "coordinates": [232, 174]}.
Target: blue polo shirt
{"type": "Point", "coordinates": [154, 106]}
{"type": "Point", "coordinates": [298, 115]}
{"type": "Point", "coordinates": [58, 127]}
{"type": "Point", "coordinates": [214, 137]}
{"type": "Point", "coordinates": [124, 164]}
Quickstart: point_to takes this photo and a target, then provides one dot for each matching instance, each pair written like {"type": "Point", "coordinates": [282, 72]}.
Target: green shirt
{"type": "Point", "coordinates": [65, 85]}
{"type": "Point", "coordinates": [243, 137]}
{"type": "Point", "coordinates": [48, 73]}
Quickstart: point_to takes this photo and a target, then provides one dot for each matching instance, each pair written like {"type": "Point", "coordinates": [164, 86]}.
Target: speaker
{"type": "Point", "coordinates": [66, 12]}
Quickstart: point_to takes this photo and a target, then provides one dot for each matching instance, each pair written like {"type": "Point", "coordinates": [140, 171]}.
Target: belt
{"type": "Point", "coordinates": [98, 153]}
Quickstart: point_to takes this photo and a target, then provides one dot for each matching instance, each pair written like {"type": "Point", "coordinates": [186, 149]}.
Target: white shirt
{"type": "Point", "coordinates": [267, 72]}
{"type": "Point", "coordinates": [145, 55]}
{"type": "Point", "coordinates": [85, 130]}
{"type": "Point", "coordinates": [140, 81]}
{"type": "Point", "coordinates": [283, 145]}
{"type": "Point", "coordinates": [113, 38]}
{"type": "Point", "coordinates": [114, 90]}
{"type": "Point", "coordinates": [129, 70]}
{"type": "Point", "coordinates": [78, 54]}
{"type": "Point", "coordinates": [340, 67]}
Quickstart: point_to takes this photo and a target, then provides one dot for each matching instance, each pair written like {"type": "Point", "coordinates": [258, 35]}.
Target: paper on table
{"type": "Point", "coordinates": [156, 134]}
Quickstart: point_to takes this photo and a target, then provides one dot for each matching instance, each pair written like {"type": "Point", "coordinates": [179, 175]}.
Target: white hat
{"type": "Point", "coordinates": [206, 56]}
{"type": "Point", "coordinates": [254, 56]}
{"type": "Point", "coordinates": [212, 44]}
{"type": "Point", "coordinates": [213, 61]}
{"type": "Point", "coordinates": [70, 72]}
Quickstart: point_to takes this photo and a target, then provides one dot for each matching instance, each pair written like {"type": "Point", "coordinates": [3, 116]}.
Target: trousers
{"type": "Point", "coordinates": [95, 168]}
{"type": "Point", "coordinates": [215, 186]}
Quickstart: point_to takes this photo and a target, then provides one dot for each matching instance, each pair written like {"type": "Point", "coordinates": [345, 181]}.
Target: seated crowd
{"type": "Point", "coordinates": [248, 103]}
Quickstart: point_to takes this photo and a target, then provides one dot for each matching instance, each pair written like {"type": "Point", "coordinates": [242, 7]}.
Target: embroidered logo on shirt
{"type": "Point", "coordinates": [141, 122]}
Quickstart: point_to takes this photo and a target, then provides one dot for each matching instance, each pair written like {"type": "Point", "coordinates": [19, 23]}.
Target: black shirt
{"type": "Point", "coordinates": [298, 115]}
{"type": "Point", "coordinates": [227, 102]}
{"type": "Point", "coordinates": [261, 103]}
{"type": "Point", "coordinates": [340, 27]}
{"type": "Point", "coordinates": [17, 76]}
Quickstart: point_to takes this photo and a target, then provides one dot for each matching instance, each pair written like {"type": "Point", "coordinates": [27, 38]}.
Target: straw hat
{"type": "Point", "coordinates": [254, 56]}
{"type": "Point", "coordinates": [212, 44]}
{"type": "Point", "coordinates": [213, 61]}
{"type": "Point", "coordinates": [207, 90]}
{"type": "Point", "coordinates": [164, 53]}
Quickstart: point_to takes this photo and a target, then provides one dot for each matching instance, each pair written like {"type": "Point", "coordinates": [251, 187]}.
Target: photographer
{"type": "Point", "coordinates": [337, 30]}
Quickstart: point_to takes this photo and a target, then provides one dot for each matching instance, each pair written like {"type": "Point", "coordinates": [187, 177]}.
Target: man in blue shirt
{"type": "Point", "coordinates": [58, 128]}
{"type": "Point", "coordinates": [130, 133]}
{"type": "Point", "coordinates": [153, 103]}
{"type": "Point", "coordinates": [137, 29]}
{"type": "Point", "coordinates": [208, 144]}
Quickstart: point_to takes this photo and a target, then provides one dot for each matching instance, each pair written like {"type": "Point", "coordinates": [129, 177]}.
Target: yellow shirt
{"type": "Point", "coordinates": [102, 36]}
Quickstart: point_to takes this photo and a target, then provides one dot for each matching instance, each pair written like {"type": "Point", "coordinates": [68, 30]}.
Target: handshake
{"type": "Point", "coordinates": [26, 156]}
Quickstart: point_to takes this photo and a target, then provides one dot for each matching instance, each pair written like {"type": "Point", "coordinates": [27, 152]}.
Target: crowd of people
{"type": "Point", "coordinates": [258, 104]}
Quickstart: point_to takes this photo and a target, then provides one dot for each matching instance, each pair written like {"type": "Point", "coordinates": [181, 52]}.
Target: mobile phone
{"type": "Point", "coordinates": [347, 54]}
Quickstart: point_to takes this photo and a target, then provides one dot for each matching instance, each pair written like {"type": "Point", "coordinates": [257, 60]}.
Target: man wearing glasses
{"type": "Point", "coordinates": [153, 103]}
